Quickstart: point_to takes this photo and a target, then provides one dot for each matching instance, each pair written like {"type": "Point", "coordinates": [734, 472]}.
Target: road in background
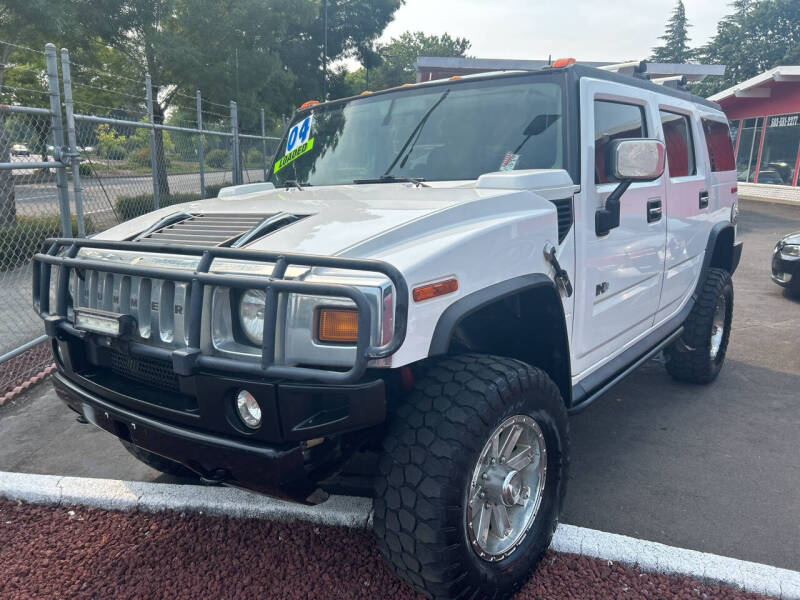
{"type": "Point", "coordinates": [711, 468]}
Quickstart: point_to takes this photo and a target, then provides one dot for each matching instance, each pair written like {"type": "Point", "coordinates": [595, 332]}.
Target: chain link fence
{"type": "Point", "coordinates": [110, 149]}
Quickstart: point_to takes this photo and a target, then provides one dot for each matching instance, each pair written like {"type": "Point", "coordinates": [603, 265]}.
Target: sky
{"type": "Point", "coordinates": [600, 30]}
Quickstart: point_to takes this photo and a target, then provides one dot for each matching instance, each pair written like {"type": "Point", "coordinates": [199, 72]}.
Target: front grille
{"type": "Point", "coordinates": [204, 230]}
{"type": "Point", "coordinates": [155, 373]}
{"type": "Point", "coordinates": [159, 307]}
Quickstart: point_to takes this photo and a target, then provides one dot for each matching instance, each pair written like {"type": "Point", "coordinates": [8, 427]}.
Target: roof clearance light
{"type": "Point", "coordinates": [432, 290]}
{"type": "Point", "coordinates": [308, 104]}
{"type": "Point", "coordinates": [563, 62]}
{"type": "Point", "coordinates": [455, 77]}
{"type": "Point", "coordinates": [365, 93]}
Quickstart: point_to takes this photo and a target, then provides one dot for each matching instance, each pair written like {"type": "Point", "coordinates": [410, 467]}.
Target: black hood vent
{"type": "Point", "coordinates": [214, 229]}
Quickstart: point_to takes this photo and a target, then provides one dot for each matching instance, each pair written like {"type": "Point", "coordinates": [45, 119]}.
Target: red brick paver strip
{"type": "Point", "coordinates": [78, 552]}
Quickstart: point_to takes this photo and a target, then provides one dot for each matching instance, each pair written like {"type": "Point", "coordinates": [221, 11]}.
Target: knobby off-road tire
{"type": "Point", "coordinates": [697, 356]}
{"type": "Point", "coordinates": [159, 463]}
{"type": "Point", "coordinates": [435, 441]}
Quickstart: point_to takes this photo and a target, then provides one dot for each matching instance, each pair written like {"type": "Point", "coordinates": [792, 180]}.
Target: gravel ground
{"type": "Point", "coordinates": [48, 552]}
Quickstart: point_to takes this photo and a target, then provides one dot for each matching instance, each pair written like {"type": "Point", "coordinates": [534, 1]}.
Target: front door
{"type": "Point", "coordinates": [622, 271]}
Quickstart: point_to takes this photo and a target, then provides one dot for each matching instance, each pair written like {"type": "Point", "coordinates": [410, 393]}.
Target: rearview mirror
{"type": "Point", "coordinates": [637, 159]}
{"type": "Point", "coordinates": [630, 160]}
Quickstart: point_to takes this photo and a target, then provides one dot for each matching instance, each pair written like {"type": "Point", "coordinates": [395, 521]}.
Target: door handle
{"type": "Point", "coordinates": [703, 199]}
{"type": "Point", "coordinates": [654, 210]}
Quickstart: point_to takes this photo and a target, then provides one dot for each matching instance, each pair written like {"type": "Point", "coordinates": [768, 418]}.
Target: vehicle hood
{"type": "Point", "coordinates": [792, 238]}
{"type": "Point", "coordinates": [339, 218]}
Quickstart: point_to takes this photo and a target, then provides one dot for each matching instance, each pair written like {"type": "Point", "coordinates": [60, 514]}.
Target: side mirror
{"type": "Point", "coordinates": [629, 160]}
{"type": "Point", "coordinates": [637, 159]}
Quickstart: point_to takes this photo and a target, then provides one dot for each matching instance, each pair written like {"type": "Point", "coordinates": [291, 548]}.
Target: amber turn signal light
{"type": "Point", "coordinates": [432, 290]}
{"type": "Point", "coordinates": [338, 325]}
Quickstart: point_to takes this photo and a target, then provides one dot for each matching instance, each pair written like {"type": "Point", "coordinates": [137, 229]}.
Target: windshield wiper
{"type": "Point", "coordinates": [414, 136]}
{"type": "Point", "coordinates": [289, 183]}
{"type": "Point", "coordinates": [418, 181]}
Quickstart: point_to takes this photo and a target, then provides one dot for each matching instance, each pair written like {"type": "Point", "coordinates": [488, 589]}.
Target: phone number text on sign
{"type": "Point", "coordinates": [784, 121]}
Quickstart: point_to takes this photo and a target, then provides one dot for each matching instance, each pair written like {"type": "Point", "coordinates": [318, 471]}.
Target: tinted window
{"type": "Point", "coordinates": [779, 154]}
{"type": "Point", "coordinates": [720, 149]}
{"type": "Point", "coordinates": [614, 121]}
{"type": "Point", "coordinates": [749, 142]}
{"type": "Point", "coordinates": [679, 142]}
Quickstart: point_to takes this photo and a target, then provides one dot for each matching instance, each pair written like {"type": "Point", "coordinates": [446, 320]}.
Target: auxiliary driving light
{"type": "Point", "coordinates": [248, 409]}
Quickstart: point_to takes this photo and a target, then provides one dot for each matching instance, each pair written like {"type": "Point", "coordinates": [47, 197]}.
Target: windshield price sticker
{"type": "Point", "coordinates": [509, 162]}
{"type": "Point", "coordinates": [294, 154]}
{"type": "Point", "coordinates": [298, 135]}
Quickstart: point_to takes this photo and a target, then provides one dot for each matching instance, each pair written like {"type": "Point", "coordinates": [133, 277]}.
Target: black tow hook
{"type": "Point", "coordinates": [218, 477]}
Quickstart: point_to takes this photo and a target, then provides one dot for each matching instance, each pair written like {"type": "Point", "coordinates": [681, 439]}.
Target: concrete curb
{"type": "Point", "coordinates": [112, 494]}
{"type": "Point", "coordinates": [353, 512]}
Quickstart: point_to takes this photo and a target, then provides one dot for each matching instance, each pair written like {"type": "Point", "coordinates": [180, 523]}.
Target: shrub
{"type": "Point", "coordinates": [140, 158]}
{"type": "Point", "coordinates": [19, 242]}
{"type": "Point", "coordinates": [128, 207]}
{"type": "Point", "coordinates": [254, 158]}
{"type": "Point", "coordinates": [85, 170]}
{"type": "Point", "coordinates": [218, 158]}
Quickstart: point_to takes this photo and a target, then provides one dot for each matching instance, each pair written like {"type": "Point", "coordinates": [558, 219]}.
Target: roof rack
{"type": "Point", "coordinates": [665, 72]}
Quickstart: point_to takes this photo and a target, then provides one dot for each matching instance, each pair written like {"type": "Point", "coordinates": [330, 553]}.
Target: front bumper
{"type": "Point", "coordinates": [785, 270]}
{"type": "Point", "coordinates": [192, 420]}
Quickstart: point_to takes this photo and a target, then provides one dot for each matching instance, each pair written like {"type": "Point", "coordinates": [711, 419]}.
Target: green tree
{"type": "Point", "coordinates": [260, 52]}
{"type": "Point", "coordinates": [676, 39]}
{"type": "Point", "coordinates": [757, 36]}
{"type": "Point", "coordinates": [353, 27]}
{"type": "Point", "coordinates": [401, 53]}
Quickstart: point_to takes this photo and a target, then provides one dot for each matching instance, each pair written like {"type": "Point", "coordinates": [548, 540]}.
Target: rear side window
{"type": "Point", "coordinates": [614, 121]}
{"type": "Point", "coordinates": [679, 142]}
{"type": "Point", "coordinates": [720, 149]}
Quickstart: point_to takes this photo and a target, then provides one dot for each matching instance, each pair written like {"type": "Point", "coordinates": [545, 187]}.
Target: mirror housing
{"type": "Point", "coordinates": [630, 160]}
{"type": "Point", "coordinates": [637, 159]}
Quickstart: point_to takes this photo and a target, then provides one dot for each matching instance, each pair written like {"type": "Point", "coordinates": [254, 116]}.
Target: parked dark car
{"type": "Point", "coordinates": [786, 263]}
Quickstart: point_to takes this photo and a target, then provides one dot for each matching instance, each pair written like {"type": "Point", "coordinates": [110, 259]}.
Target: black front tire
{"type": "Point", "coordinates": [433, 442]}
{"type": "Point", "coordinates": [159, 463]}
{"type": "Point", "coordinates": [690, 358]}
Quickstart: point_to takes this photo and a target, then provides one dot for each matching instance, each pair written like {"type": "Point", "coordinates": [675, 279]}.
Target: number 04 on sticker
{"type": "Point", "coordinates": [298, 143]}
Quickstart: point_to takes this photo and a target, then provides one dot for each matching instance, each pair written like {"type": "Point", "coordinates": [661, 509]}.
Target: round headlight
{"type": "Point", "coordinates": [251, 315]}
{"type": "Point", "coordinates": [248, 409]}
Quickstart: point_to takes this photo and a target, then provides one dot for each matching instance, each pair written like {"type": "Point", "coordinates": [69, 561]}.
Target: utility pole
{"type": "Point", "coordinates": [324, 50]}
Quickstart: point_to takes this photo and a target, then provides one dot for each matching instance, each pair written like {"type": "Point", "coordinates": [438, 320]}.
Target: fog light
{"type": "Point", "coordinates": [248, 409]}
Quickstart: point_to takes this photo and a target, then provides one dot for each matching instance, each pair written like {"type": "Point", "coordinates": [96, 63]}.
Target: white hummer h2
{"type": "Point", "coordinates": [441, 272]}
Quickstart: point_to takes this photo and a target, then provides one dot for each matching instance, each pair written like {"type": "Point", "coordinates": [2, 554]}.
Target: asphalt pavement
{"type": "Point", "coordinates": [713, 468]}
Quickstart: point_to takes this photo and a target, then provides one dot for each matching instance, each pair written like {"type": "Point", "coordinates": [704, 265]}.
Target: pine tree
{"type": "Point", "coordinates": [676, 39]}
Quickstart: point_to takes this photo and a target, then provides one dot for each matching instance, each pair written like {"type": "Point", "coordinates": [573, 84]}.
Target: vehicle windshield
{"type": "Point", "coordinates": [429, 133]}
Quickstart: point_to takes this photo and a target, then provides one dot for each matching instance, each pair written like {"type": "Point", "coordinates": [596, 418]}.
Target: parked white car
{"type": "Point", "coordinates": [20, 150]}
{"type": "Point", "coordinates": [441, 272]}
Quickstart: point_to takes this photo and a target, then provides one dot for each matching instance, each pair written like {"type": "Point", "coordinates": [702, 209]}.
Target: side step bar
{"type": "Point", "coordinates": [581, 406]}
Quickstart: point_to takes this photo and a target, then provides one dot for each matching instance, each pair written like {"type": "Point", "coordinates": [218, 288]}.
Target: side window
{"type": "Point", "coordinates": [614, 121]}
{"type": "Point", "coordinates": [720, 149]}
{"type": "Point", "coordinates": [679, 142]}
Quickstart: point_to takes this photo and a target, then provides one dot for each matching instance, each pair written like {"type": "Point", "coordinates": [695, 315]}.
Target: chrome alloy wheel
{"type": "Point", "coordinates": [506, 488]}
{"type": "Point", "coordinates": [718, 327]}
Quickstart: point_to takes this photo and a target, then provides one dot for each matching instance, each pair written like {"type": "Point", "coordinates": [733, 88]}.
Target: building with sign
{"type": "Point", "coordinates": [764, 113]}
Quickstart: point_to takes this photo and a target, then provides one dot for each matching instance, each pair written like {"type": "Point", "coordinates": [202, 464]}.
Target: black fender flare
{"type": "Point", "coordinates": [462, 308]}
{"type": "Point", "coordinates": [722, 249]}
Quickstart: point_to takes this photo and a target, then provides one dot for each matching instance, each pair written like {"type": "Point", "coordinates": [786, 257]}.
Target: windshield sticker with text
{"type": "Point", "coordinates": [294, 154]}
{"type": "Point", "coordinates": [298, 135]}
{"type": "Point", "coordinates": [509, 162]}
